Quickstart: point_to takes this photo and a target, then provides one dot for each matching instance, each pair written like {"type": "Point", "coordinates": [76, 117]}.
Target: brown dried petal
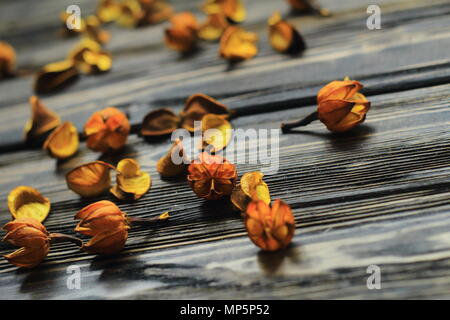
{"type": "Point", "coordinates": [159, 122]}
{"type": "Point", "coordinates": [55, 76]}
{"type": "Point", "coordinates": [166, 166]}
{"type": "Point", "coordinates": [42, 120]}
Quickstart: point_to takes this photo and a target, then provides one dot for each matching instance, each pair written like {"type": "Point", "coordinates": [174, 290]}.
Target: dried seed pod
{"type": "Point", "coordinates": [32, 238]}
{"type": "Point", "coordinates": [284, 37]}
{"type": "Point", "coordinates": [89, 57]}
{"type": "Point", "coordinates": [7, 60]}
{"type": "Point", "coordinates": [182, 35]}
{"type": "Point", "coordinates": [159, 123]}
{"type": "Point", "coordinates": [197, 106]}
{"type": "Point", "coordinates": [236, 44]}
{"type": "Point", "coordinates": [90, 179]}
{"type": "Point", "coordinates": [108, 10]}
{"type": "Point", "coordinates": [174, 162]}
{"type": "Point", "coordinates": [42, 120]}
{"type": "Point", "coordinates": [107, 130]}
{"type": "Point", "coordinates": [213, 28]}
{"type": "Point", "coordinates": [234, 10]}
{"type": "Point", "coordinates": [270, 228]}
{"type": "Point", "coordinates": [55, 76]}
{"type": "Point", "coordinates": [217, 132]}
{"type": "Point", "coordinates": [132, 183]}
{"type": "Point", "coordinates": [63, 142]}
{"type": "Point", "coordinates": [251, 188]}
{"type": "Point", "coordinates": [212, 177]}
{"type": "Point", "coordinates": [27, 202]}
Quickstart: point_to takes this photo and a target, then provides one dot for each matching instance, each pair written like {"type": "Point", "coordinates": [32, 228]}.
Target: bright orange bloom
{"type": "Point", "coordinates": [107, 130]}
{"type": "Point", "coordinates": [106, 224]}
{"type": "Point", "coordinates": [212, 177]}
{"type": "Point", "coordinates": [32, 238]}
{"type": "Point", "coordinates": [341, 106]}
{"type": "Point", "coordinates": [270, 228]}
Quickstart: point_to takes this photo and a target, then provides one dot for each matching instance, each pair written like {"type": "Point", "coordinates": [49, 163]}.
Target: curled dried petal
{"type": "Point", "coordinates": [89, 57]}
{"type": "Point", "coordinates": [182, 34]}
{"type": "Point", "coordinates": [156, 11]}
{"type": "Point", "coordinates": [131, 14]}
{"type": "Point", "coordinates": [42, 120]}
{"type": "Point", "coordinates": [159, 122]}
{"type": "Point", "coordinates": [251, 188]}
{"type": "Point", "coordinates": [27, 202]}
{"type": "Point", "coordinates": [55, 76]}
{"type": "Point", "coordinates": [63, 142]}
{"type": "Point", "coordinates": [90, 179]}
{"type": "Point", "coordinates": [213, 28]}
{"type": "Point", "coordinates": [217, 132]}
{"type": "Point", "coordinates": [7, 60]}
{"type": "Point", "coordinates": [234, 10]}
{"type": "Point", "coordinates": [173, 163]}
{"type": "Point", "coordinates": [108, 10]}
{"type": "Point", "coordinates": [284, 37]}
{"type": "Point", "coordinates": [236, 44]}
{"type": "Point", "coordinates": [131, 181]}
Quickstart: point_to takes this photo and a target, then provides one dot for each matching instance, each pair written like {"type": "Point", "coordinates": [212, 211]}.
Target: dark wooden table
{"type": "Point", "coordinates": [378, 196]}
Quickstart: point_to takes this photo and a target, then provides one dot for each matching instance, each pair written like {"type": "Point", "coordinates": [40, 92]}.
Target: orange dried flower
{"type": "Point", "coordinates": [7, 60]}
{"type": "Point", "coordinates": [55, 76]}
{"type": "Point", "coordinates": [284, 37]}
{"type": "Point", "coordinates": [213, 28]}
{"type": "Point", "coordinates": [212, 177]}
{"type": "Point", "coordinates": [106, 224]}
{"type": "Point", "coordinates": [42, 120]}
{"type": "Point", "coordinates": [182, 35]}
{"type": "Point", "coordinates": [270, 228]}
{"type": "Point", "coordinates": [90, 179]}
{"type": "Point", "coordinates": [27, 202]}
{"type": "Point", "coordinates": [131, 181]}
{"type": "Point", "coordinates": [236, 44]}
{"type": "Point", "coordinates": [32, 238]}
{"type": "Point", "coordinates": [107, 130]}
{"type": "Point", "coordinates": [63, 142]}
{"type": "Point", "coordinates": [234, 10]}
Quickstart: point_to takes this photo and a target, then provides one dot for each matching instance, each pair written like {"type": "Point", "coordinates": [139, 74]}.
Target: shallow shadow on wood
{"type": "Point", "coordinates": [270, 262]}
{"type": "Point", "coordinates": [190, 54]}
{"type": "Point", "coordinates": [219, 208]}
{"type": "Point", "coordinates": [34, 278]}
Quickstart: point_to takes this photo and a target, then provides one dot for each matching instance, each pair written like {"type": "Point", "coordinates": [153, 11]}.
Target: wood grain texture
{"type": "Point", "coordinates": [376, 196]}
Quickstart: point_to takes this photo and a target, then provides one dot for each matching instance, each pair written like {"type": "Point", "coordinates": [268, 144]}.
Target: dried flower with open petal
{"type": "Point", "coordinates": [27, 202]}
{"type": "Point", "coordinates": [270, 228]}
{"type": "Point", "coordinates": [32, 238]}
{"type": "Point", "coordinates": [55, 76]}
{"type": "Point", "coordinates": [42, 120]}
{"type": "Point", "coordinates": [234, 10]}
{"type": "Point", "coordinates": [108, 10]}
{"type": "Point", "coordinates": [132, 183]}
{"type": "Point", "coordinates": [63, 142]}
{"type": "Point", "coordinates": [213, 28]}
{"type": "Point", "coordinates": [284, 37]}
{"type": "Point", "coordinates": [107, 130]}
{"type": "Point", "coordinates": [182, 34]}
{"type": "Point", "coordinates": [212, 177]}
{"type": "Point", "coordinates": [90, 179]}
{"type": "Point", "coordinates": [251, 188]}
{"type": "Point", "coordinates": [216, 132]}
{"type": "Point", "coordinates": [236, 44]}
{"type": "Point", "coordinates": [174, 162]}
{"type": "Point", "coordinates": [7, 60]}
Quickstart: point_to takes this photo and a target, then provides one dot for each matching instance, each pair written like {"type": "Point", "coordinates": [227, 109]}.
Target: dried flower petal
{"type": "Point", "coordinates": [156, 11]}
{"type": "Point", "coordinates": [270, 228]}
{"type": "Point", "coordinates": [55, 76]}
{"type": "Point", "coordinates": [42, 120]}
{"type": "Point", "coordinates": [107, 130]}
{"type": "Point", "coordinates": [90, 179]}
{"type": "Point", "coordinates": [131, 14]}
{"type": "Point", "coordinates": [108, 10]}
{"type": "Point", "coordinates": [159, 122]}
{"type": "Point", "coordinates": [63, 142]}
{"type": "Point", "coordinates": [212, 177]}
{"type": "Point", "coordinates": [32, 238]}
{"type": "Point", "coordinates": [94, 32]}
{"type": "Point", "coordinates": [284, 37]}
{"type": "Point", "coordinates": [66, 32]}
{"type": "Point", "coordinates": [213, 28]}
{"type": "Point", "coordinates": [236, 44]}
{"type": "Point", "coordinates": [27, 202]}
{"type": "Point", "coordinates": [251, 188]}
{"type": "Point", "coordinates": [197, 106]}
{"type": "Point", "coordinates": [217, 132]}
{"type": "Point", "coordinates": [89, 57]}
{"type": "Point", "coordinates": [182, 35]}
{"type": "Point", "coordinates": [234, 10]}
{"type": "Point", "coordinates": [7, 60]}
{"type": "Point", "coordinates": [166, 165]}
{"type": "Point", "coordinates": [131, 181]}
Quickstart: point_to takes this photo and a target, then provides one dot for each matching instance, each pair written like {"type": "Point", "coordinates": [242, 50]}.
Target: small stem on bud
{"type": "Point", "coordinates": [149, 221]}
{"type": "Point", "coordinates": [59, 237]}
{"type": "Point", "coordinates": [285, 127]}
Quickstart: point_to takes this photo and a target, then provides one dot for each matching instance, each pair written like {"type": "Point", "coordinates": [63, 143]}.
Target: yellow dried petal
{"type": "Point", "coordinates": [7, 60]}
{"type": "Point", "coordinates": [251, 188]}
{"type": "Point", "coordinates": [27, 202]}
{"type": "Point", "coordinates": [283, 36]}
{"type": "Point", "coordinates": [213, 28]}
{"type": "Point", "coordinates": [63, 142]}
{"type": "Point", "coordinates": [217, 132]}
{"type": "Point", "coordinates": [166, 166]}
{"type": "Point", "coordinates": [42, 120]}
{"type": "Point", "coordinates": [108, 10]}
{"type": "Point", "coordinates": [237, 44]}
{"type": "Point", "coordinates": [234, 10]}
{"type": "Point", "coordinates": [89, 57]}
{"type": "Point", "coordinates": [131, 181]}
{"type": "Point", "coordinates": [90, 179]}
{"type": "Point", "coordinates": [55, 76]}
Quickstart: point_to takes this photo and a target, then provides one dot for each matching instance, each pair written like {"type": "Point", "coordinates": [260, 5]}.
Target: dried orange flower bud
{"type": "Point", "coordinates": [251, 188]}
{"type": "Point", "coordinates": [108, 10]}
{"type": "Point", "coordinates": [63, 142]}
{"type": "Point", "coordinates": [234, 10]}
{"type": "Point", "coordinates": [159, 122]}
{"type": "Point", "coordinates": [284, 37]}
{"type": "Point", "coordinates": [89, 57]}
{"type": "Point", "coordinates": [55, 76]}
{"type": "Point", "coordinates": [166, 166]}
{"type": "Point", "coordinates": [131, 181]}
{"type": "Point", "coordinates": [236, 44]}
{"type": "Point", "coordinates": [94, 32]}
{"type": "Point", "coordinates": [217, 132]}
{"type": "Point", "coordinates": [307, 6]}
{"type": "Point", "coordinates": [27, 202]}
{"type": "Point", "coordinates": [42, 120]}
{"type": "Point", "coordinates": [32, 238]}
{"type": "Point", "coordinates": [182, 35]}
{"type": "Point", "coordinates": [90, 179]}
{"type": "Point", "coordinates": [213, 28]}
{"type": "Point", "coordinates": [341, 106]}
{"type": "Point", "coordinates": [106, 224]}
{"type": "Point", "coordinates": [107, 130]}
{"type": "Point", "coordinates": [270, 228]}
{"type": "Point", "coordinates": [7, 60]}
{"type": "Point", "coordinates": [212, 177]}
{"type": "Point", "coordinates": [197, 106]}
